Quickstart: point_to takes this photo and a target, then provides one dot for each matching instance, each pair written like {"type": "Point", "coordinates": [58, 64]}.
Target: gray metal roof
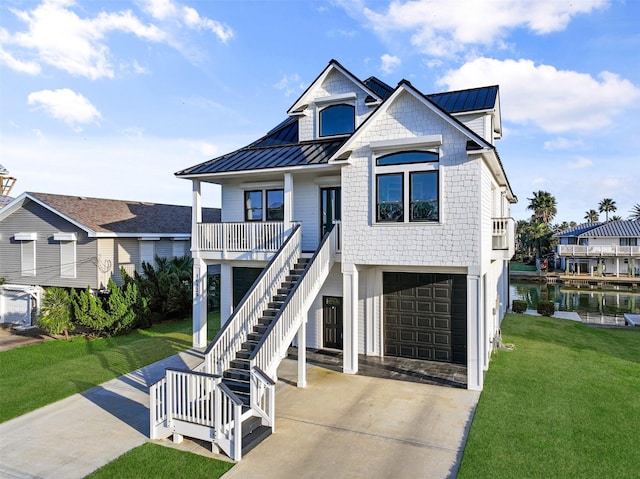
{"type": "Point", "coordinates": [474, 99]}
{"type": "Point", "coordinates": [615, 229]}
{"type": "Point", "coordinates": [577, 230]}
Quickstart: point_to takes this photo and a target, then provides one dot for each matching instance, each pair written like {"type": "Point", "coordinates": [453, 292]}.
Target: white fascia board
{"type": "Point", "coordinates": [149, 238]}
{"type": "Point", "coordinates": [25, 236]}
{"type": "Point", "coordinates": [335, 98]}
{"type": "Point", "coordinates": [181, 238]}
{"type": "Point", "coordinates": [262, 185]}
{"type": "Point", "coordinates": [65, 237]}
{"type": "Point", "coordinates": [143, 236]}
{"type": "Point", "coordinates": [429, 141]}
{"type": "Point", "coordinates": [229, 174]}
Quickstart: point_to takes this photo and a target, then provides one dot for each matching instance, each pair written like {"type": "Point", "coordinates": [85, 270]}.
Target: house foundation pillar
{"type": "Point", "coordinates": [350, 318]}
{"type": "Point", "coordinates": [475, 371]}
{"type": "Point", "coordinates": [302, 355]}
{"type": "Point", "coordinates": [199, 303]}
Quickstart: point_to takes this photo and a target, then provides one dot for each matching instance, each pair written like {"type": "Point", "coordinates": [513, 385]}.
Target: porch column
{"type": "Point", "coordinates": [350, 318]}
{"type": "Point", "coordinates": [196, 213]}
{"type": "Point", "coordinates": [288, 200]}
{"type": "Point", "coordinates": [199, 303]}
{"type": "Point", "coordinates": [617, 267]}
{"type": "Point", "coordinates": [302, 355]}
{"type": "Point", "coordinates": [474, 334]}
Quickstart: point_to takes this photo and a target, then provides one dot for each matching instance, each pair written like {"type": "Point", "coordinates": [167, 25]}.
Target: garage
{"type": "Point", "coordinates": [425, 316]}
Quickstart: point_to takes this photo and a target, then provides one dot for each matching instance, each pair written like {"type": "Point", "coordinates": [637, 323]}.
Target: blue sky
{"type": "Point", "coordinates": [110, 98]}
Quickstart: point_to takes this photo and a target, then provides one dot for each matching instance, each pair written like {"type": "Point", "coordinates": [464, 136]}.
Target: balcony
{"type": "Point", "coordinates": [585, 251]}
{"type": "Point", "coordinates": [250, 240]}
{"type": "Point", "coordinates": [503, 238]}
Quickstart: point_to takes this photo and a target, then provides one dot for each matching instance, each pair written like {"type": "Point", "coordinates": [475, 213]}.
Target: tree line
{"type": "Point", "coordinates": [534, 237]}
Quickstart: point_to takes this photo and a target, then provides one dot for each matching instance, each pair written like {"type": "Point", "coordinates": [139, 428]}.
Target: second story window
{"type": "Point", "coordinates": [337, 120]}
{"type": "Point", "coordinates": [256, 202]}
{"type": "Point", "coordinates": [628, 241]}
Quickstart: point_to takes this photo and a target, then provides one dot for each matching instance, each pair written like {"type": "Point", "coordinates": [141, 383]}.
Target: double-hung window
{"type": "Point", "coordinates": [257, 202]}
{"type": "Point", "coordinates": [407, 187]}
{"type": "Point", "coordinates": [67, 254]}
{"type": "Point", "coordinates": [628, 241]}
{"type": "Point", "coordinates": [27, 253]}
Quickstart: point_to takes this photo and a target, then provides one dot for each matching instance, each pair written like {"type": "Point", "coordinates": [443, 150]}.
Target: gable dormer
{"type": "Point", "coordinates": [335, 104]}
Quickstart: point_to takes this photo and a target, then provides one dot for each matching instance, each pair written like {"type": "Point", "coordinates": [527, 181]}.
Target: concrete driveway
{"type": "Point", "coordinates": [345, 426]}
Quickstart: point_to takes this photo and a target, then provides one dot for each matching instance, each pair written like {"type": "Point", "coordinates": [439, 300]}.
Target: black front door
{"type": "Point", "coordinates": [332, 321]}
{"type": "Point", "coordinates": [329, 208]}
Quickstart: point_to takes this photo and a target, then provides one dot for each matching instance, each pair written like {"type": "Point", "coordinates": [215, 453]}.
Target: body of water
{"type": "Point", "coordinates": [594, 306]}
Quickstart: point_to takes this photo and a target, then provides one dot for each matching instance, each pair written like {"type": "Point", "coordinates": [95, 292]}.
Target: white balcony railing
{"type": "Point", "coordinates": [597, 250]}
{"type": "Point", "coordinates": [503, 233]}
{"type": "Point", "coordinates": [241, 237]}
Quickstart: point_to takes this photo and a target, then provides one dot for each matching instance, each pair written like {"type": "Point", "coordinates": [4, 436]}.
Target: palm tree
{"type": "Point", "coordinates": [543, 205]}
{"type": "Point", "coordinates": [607, 206]}
{"type": "Point", "coordinates": [616, 218]}
{"type": "Point", "coordinates": [635, 213]}
{"type": "Point", "coordinates": [592, 216]}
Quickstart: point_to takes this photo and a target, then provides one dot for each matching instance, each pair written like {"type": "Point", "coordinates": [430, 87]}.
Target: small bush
{"type": "Point", "coordinates": [519, 306]}
{"type": "Point", "coordinates": [546, 308]}
{"type": "Point", "coordinates": [55, 313]}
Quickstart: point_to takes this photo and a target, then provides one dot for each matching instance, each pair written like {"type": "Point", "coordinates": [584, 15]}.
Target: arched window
{"type": "Point", "coordinates": [337, 120]}
{"type": "Point", "coordinates": [407, 157]}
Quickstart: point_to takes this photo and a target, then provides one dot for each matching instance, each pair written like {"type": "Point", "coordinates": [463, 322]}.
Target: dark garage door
{"type": "Point", "coordinates": [425, 316]}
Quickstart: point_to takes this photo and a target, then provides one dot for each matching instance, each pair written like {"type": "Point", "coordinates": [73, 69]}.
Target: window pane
{"type": "Point", "coordinates": [275, 205]}
{"type": "Point", "coordinates": [337, 120]}
{"type": "Point", "coordinates": [253, 205]}
{"type": "Point", "coordinates": [424, 196]}
{"type": "Point", "coordinates": [389, 201]}
{"type": "Point", "coordinates": [67, 259]}
{"type": "Point", "coordinates": [407, 157]}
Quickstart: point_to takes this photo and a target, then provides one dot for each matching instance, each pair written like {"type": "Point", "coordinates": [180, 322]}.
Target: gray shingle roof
{"type": "Point", "coordinates": [118, 216]}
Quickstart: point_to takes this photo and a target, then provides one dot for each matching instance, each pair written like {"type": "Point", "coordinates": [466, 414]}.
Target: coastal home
{"type": "Point", "coordinates": [373, 221]}
{"type": "Point", "coordinates": [76, 241]}
{"type": "Point", "coordinates": [610, 249]}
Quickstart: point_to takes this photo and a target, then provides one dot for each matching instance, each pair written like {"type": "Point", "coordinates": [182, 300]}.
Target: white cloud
{"type": "Point", "coordinates": [58, 36]}
{"type": "Point", "coordinates": [443, 27]}
{"type": "Point", "coordinates": [290, 84]}
{"type": "Point", "coordinates": [562, 143]}
{"type": "Point", "coordinates": [580, 163]}
{"type": "Point", "coordinates": [389, 63]}
{"type": "Point", "coordinates": [170, 11]}
{"type": "Point", "coordinates": [65, 105]}
{"type": "Point", "coordinates": [554, 100]}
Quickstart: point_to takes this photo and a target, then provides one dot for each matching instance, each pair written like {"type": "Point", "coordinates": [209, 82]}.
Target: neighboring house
{"type": "Point", "coordinates": [598, 249]}
{"type": "Point", "coordinates": [75, 241]}
{"type": "Point", "coordinates": [416, 265]}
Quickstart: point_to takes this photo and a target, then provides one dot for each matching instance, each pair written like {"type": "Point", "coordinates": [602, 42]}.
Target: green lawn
{"type": "Point", "coordinates": [40, 374]}
{"type": "Point", "coordinates": [564, 403]}
{"type": "Point", "coordinates": [159, 462]}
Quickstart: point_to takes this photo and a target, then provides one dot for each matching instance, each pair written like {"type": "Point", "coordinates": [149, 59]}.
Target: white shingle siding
{"type": "Point", "coordinates": [335, 84]}
{"type": "Point", "coordinates": [451, 242]}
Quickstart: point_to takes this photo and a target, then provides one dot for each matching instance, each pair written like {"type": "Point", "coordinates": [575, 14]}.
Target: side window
{"type": "Point", "coordinates": [67, 259]}
{"type": "Point", "coordinates": [337, 120]}
{"type": "Point", "coordinates": [390, 198]}
{"type": "Point", "coordinates": [253, 206]}
{"type": "Point", "coordinates": [423, 204]}
{"type": "Point", "coordinates": [28, 258]}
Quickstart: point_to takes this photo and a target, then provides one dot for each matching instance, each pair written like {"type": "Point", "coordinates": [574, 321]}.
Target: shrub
{"type": "Point", "coordinates": [88, 311]}
{"type": "Point", "coordinates": [546, 308]}
{"type": "Point", "coordinates": [519, 306]}
{"type": "Point", "coordinates": [55, 313]}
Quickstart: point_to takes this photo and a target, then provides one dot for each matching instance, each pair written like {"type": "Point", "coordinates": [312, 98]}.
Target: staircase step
{"type": "Point", "coordinates": [237, 386]}
{"type": "Point", "coordinates": [265, 320]}
{"type": "Point", "coordinates": [280, 298]}
{"type": "Point", "coordinates": [235, 373]}
{"type": "Point", "coordinates": [286, 285]}
{"type": "Point", "coordinates": [275, 304]}
{"type": "Point", "coordinates": [242, 354]}
{"type": "Point", "coordinates": [293, 278]}
{"type": "Point", "coordinates": [255, 437]}
{"type": "Point", "coordinates": [250, 345]}
{"type": "Point", "coordinates": [284, 291]}
{"type": "Point", "coordinates": [240, 363]}
{"type": "Point", "coordinates": [297, 271]}
{"type": "Point", "coordinates": [255, 337]}
{"type": "Point", "coordinates": [269, 312]}
{"type": "Point", "coordinates": [260, 328]}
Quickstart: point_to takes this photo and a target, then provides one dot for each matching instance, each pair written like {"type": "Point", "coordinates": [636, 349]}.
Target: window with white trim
{"type": "Point", "coordinates": [628, 241]}
{"type": "Point", "coordinates": [67, 254]}
{"type": "Point", "coordinates": [258, 201]}
{"type": "Point", "coordinates": [407, 187]}
{"type": "Point", "coordinates": [27, 253]}
{"type": "Point", "coordinates": [337, 119]}
{"type": "Point", "coordinates": [147, 252]}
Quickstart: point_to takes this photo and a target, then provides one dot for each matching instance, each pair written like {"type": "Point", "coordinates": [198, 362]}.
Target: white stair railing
{"type": "Point", "coordinates": [228, 422]}
{"type": "Point", "coordinates": [273, 345]}
{"type": "Point", "coordinates": [263, 397]}
{"type": "Point", "coordinates": [229, 339]}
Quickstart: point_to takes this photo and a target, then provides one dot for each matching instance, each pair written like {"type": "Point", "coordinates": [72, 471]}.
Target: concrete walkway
{"type": "Point", "coordinates": [75, 436]}
{"type": "Point", "coordinates": [338, 426]}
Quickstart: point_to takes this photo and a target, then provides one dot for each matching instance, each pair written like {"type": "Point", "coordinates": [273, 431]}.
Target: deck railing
{"type": "Point", "coordinates": [263, 397]}
{"type": "Point", "coordinates": [598, 250]}
{"type": "Point", "coordinates": [271, 349]}
{"type": "Point", "coordinates": [502, 233]}
{"type": "Point", "coordinates": [228, 424]}
{"type": "Point", "coordinates": [241, 237]}
{"type": "Point", "coordinates": [229, 339]}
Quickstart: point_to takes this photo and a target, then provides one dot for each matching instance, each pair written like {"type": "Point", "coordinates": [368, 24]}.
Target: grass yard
{"type": "Point", "coordinates": [40, 374]}
{"type": "Point", "coordinates": [161, 462]}
{"type": "Point", "coordinates": [564, 404]}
